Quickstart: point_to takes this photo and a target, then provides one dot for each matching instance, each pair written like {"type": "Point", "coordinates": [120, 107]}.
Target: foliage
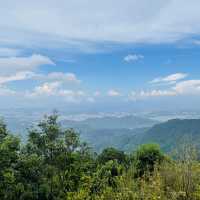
{"type": "Point", "coordinates": [112, 154]}
{"type": "Point", "coordinates": [55, 164]}
{"type": "Point", "coordinates": [146, 157]}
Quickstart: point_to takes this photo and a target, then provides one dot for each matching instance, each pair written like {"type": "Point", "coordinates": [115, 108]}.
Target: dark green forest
{"type": "Point", "coordinates": [55, 164]}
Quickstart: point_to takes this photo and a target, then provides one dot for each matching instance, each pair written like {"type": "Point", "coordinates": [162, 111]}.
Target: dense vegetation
{"type": "Point", "coordinates": [166, 134]}
{"type": "Point", "coordinates": [169, 134]}
{"type": "Point", "coordinates": [116, 131]}
{"type": "Point", "coordinates": [55, 165]}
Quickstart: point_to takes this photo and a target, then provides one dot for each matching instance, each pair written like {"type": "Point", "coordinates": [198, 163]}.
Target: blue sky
{"type": "Point", "coordinates": [88, 55]}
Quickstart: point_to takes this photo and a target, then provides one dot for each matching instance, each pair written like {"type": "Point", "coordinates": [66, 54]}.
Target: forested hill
{"type": "Point", "coordinates": [173, 132]}
{"type": "Point", "coordinates": [168, 134]}
{"type": "Point", "coordinates": [102, 132]}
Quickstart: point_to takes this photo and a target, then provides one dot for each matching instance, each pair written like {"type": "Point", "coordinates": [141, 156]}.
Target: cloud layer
{"type": "Point", "coordinates": [10, 65]}
{"type": "Point", "coordinates": [141, 21]}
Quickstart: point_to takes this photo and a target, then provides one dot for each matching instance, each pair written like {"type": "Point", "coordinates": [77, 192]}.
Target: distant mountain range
{"type": "Point", "coordinates": [107, 131]}
{"type": "Point", "coordinates": [125, 122]}
{"type": "Point", "coordinates": [126, 133]}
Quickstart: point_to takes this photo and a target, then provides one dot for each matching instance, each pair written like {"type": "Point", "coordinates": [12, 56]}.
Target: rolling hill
{"type": "Point", "coordinates": [113, 131]}
{"type": "Point", "coordinates": [173, 132]}
{"type": "Point", "coordinates": [168, 134]}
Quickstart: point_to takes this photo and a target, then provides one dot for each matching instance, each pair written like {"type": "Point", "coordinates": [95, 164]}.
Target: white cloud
{"type": "Point", "coordinates": [113, 93]}
{"type": "Point", "coordinates": [134, 21]}
{"type": "Point", "coordinates": [52, 84]}
{"type": "Point", "coordinates": [55, 89]}
{"type": "Point", "coordinates": [16, 77]}
{"type": "Point", "coordinates": [152, 93]}
{"type": "Point", "coordinates": [173, 78]}
{"type": "Point", "coordinates": [64, 77]}
{"type": "Point", "coordinates": [133, 57]}
{"type": "Point", "coordinates": [45, 89]}
{"type": "Point", "coordinates": [7, 52]}
{"type": "Point", "coordinates": [18, 64]}
{"type": "Point", "coordinates": [188, 87]}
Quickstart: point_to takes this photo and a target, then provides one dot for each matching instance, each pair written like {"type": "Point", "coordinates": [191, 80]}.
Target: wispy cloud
{"type": "Point", "coordinates": [12, 65]}
{"type": "Point", "coordinates": [58, 76]}
{"type": "Point", "coordinates": [8, 52]}
{"type": "Point", "coordinates": [16, 77]}
{"type": "Point", "coordinates": [143, 22]}
{"type": "Point", "coordinates": [133, 57]}
{"type": "Point", "coordinates": [170, 79]}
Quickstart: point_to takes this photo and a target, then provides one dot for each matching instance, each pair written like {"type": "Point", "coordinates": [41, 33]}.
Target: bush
{"type": "Point", "coordinates": [146, 157]}
{"type": "Point", "coordinates": [112, 154]}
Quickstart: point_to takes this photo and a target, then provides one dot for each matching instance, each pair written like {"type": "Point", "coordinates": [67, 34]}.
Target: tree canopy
{"type": "Point", "coordinates": [54, 164]}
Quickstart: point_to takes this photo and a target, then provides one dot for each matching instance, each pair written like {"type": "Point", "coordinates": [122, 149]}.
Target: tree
{"type": "Point", "coordinates": [64, 158]}
{"type": "Point", "coordinates": [112, 154]}
{"type": "Point", "coordinates": [3, 130]}
{"type": "Point", "coordinates": [9, 154]}
{"type": "Point", "coordinates": [146, 157]}
{"type": "Point", "coordinates": [106, 176]}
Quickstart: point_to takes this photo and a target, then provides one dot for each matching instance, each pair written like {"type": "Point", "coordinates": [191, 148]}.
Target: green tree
{"type": "Point", "coordinates": [64, 159]}
{"type": "Point", "coordinates": [112, 154]}
{"type": "Point", "coordinates": [9, 153]}
{"type": "Point", "coordinates": [3, 130]}
{"type": "Point", "coordinates": [106, 176]}
{"type": "Point", "coordinates": [146, 157]}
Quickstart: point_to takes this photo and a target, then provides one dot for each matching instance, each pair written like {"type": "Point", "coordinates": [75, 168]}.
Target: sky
{"type": "Point", "coordinates": [108, 55]}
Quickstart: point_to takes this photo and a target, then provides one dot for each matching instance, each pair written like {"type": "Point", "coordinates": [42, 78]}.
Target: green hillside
{"type": "Point", "coordinates": [124, 139]}
{"type": "Point", "coordinates": [173, 132]}
{"type": "Point", "coordinates": [168, 135]}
